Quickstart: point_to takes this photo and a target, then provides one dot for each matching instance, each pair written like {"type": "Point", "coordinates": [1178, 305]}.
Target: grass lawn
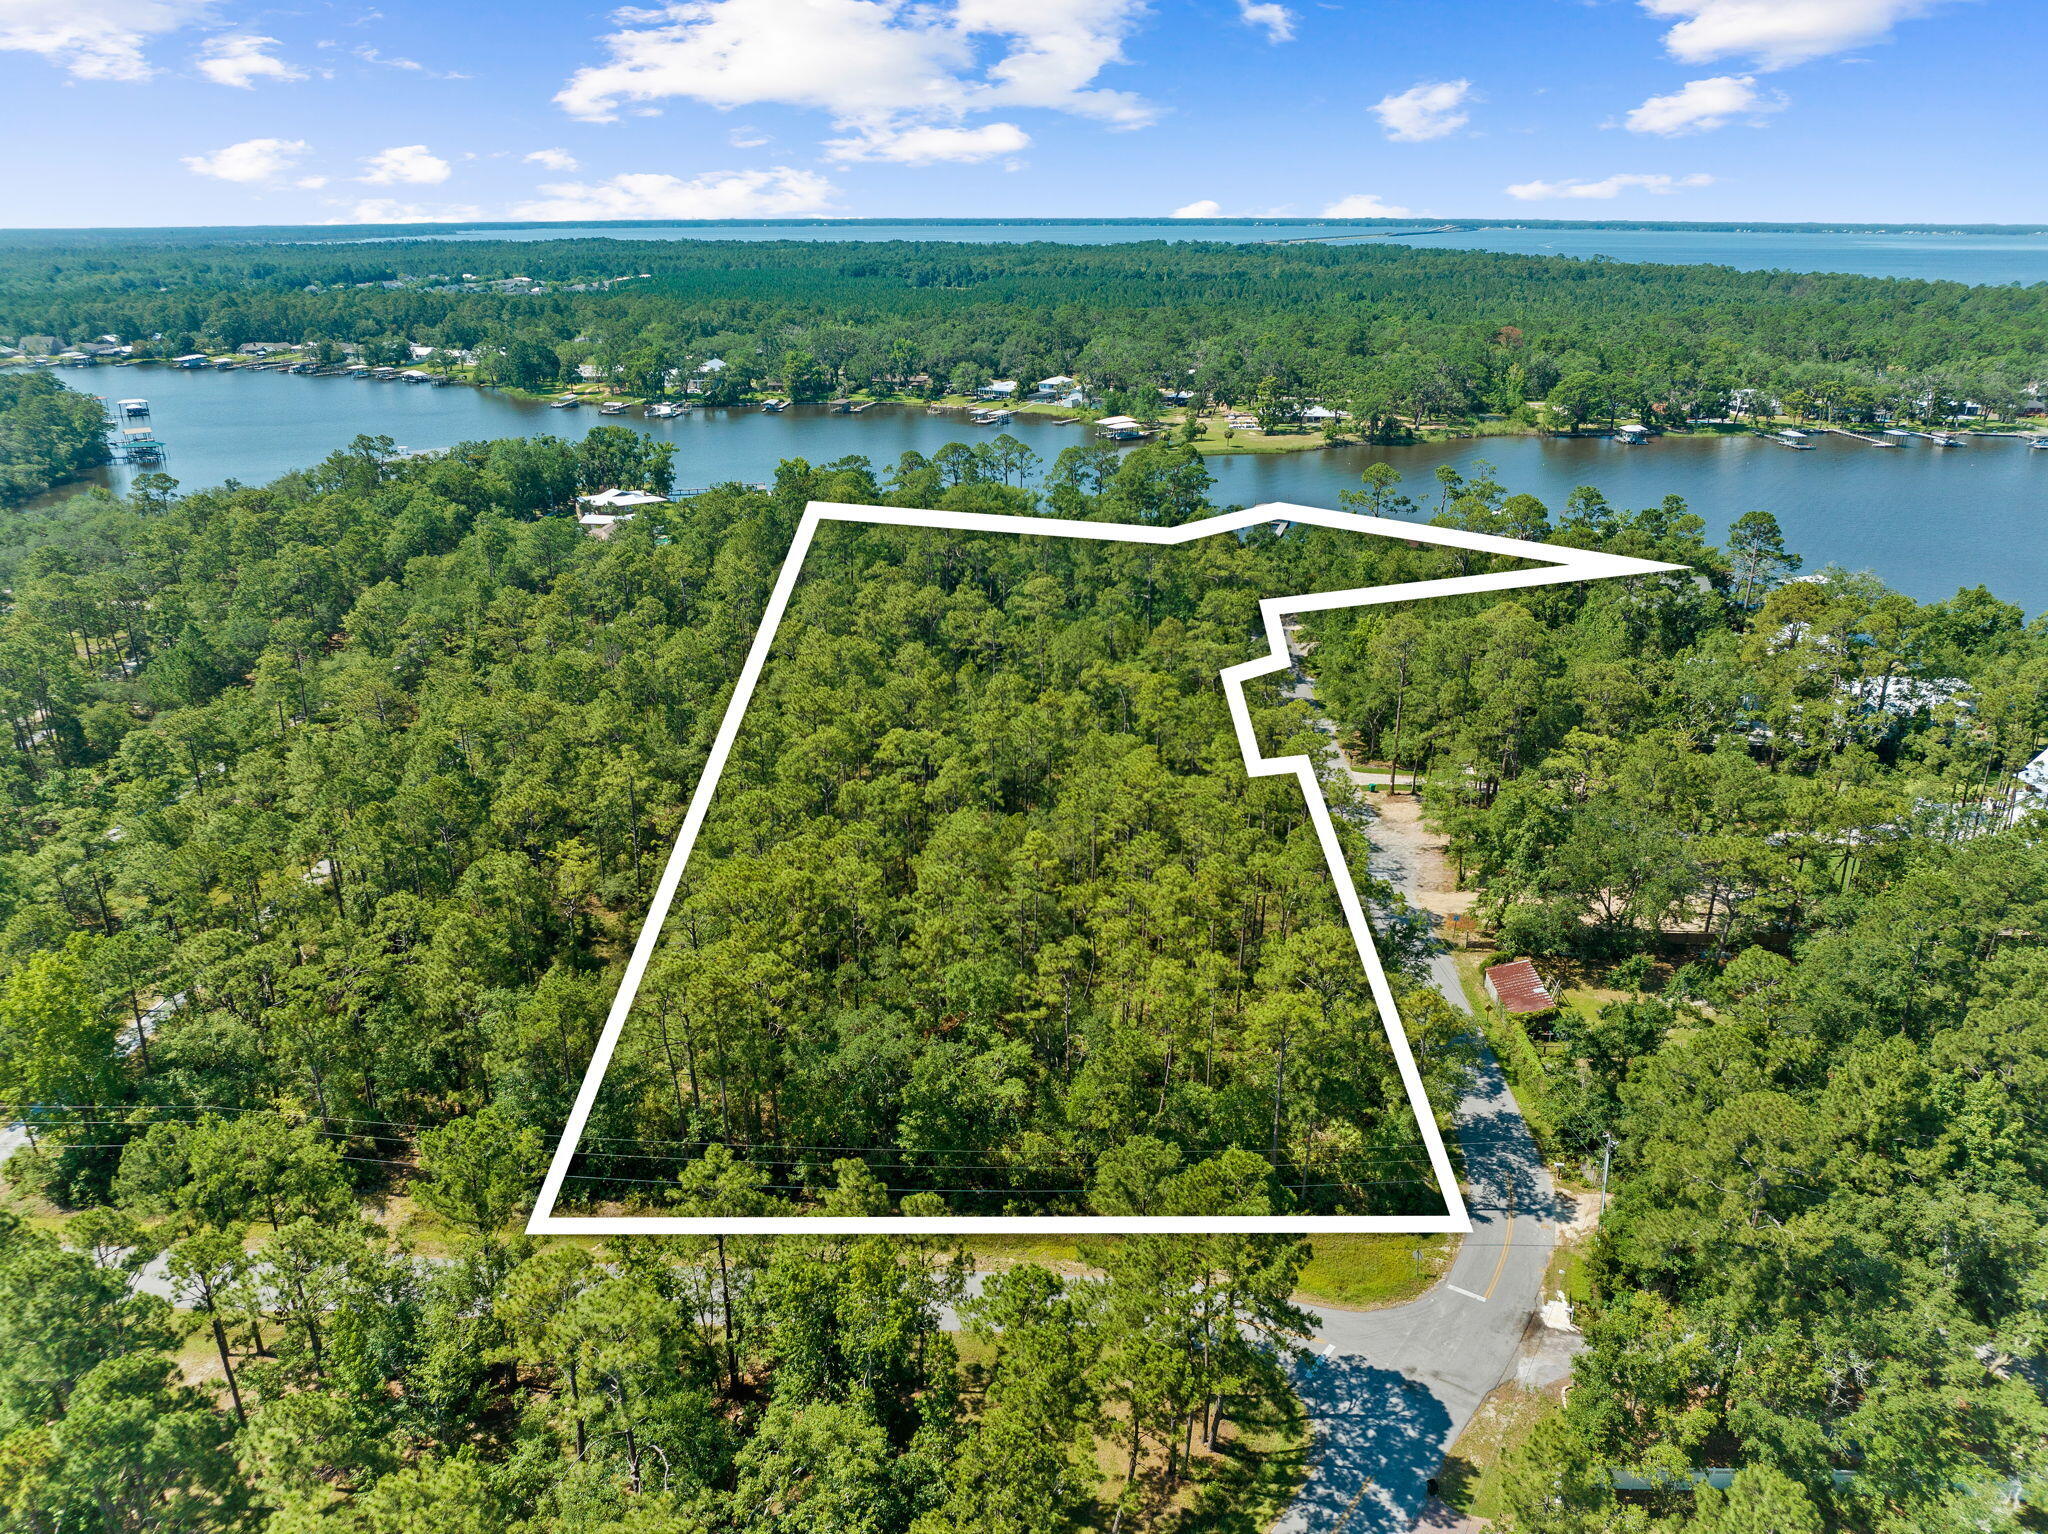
{"type": "Point", "coordinates": [1471, 1478]}
{"type": "Point", "coordinates": [1568, 1273]}
{"type": "Point", "coordinates": [1213, 440]}
{"type": "Point", "coordinates": [1519, 1058]}
{"type": "Point", "coordinates": [1348, 1272]}
{"type": "Point", "coordinates": [1364, 1272]}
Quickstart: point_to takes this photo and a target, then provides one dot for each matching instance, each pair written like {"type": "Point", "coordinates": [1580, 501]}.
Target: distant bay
{"type": "Point", "coordinates": [1960, 257]}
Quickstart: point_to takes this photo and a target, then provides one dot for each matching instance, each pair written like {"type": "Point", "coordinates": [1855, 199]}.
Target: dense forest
{"type": "Point", "coordinates": [335, 801]}
{"type": "Point", "coordinates": [986, 889]}
{"type": "Point", "coordinates": [48, 434]}
{"type": "Point", "coordinates": [1796, 804]}
{"type": "Point", "coordinates": [1392, 335]}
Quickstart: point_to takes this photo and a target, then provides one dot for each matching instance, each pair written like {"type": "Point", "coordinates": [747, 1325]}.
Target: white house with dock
{"type": "Point", "coordinates": [605, 509]}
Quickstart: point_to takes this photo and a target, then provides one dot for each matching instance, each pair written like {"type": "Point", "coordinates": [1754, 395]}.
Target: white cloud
{"type": "Point", "coordinates": [781, 192]}
{"type": "Point", "coordinates": [1699, 106]}
{"type": "Point", "coordinates": [370, 55]}
{"type": "Point", "coordinates": [251, 161]}
{"type": "Point", "coordinates": [896, 77]}
{"type": "Point", "coordinates": [1208, 207]}
{"type": "Point", "coordinates": [926, 145]}
{"type": "Point", "coordinates": [311, 183]}
{"type": "Point", "coordinates": [388, 210]}
{"type": "Point", "coordinates": [95, 39]}
{"type": "Point", "coordinates": [411, 66]}
{"type": "Point", "coordinates": [1428, 110]}
{"type": "Point", "coordinates": [1777, 33]}
{"type": "Point", "coordinates": [553, 159]}
{"type": "Point", "coordinates": [1363, 205]}
{"type": "Point", "coordinates": [410, 164]}
{"type": "Point", "coordinates": [1276, 20]}
{"type": "Point", "coordinates": [242, 58]}
{"type": "Point", "coordinates": [747, 138]}
{"type": "Point", "coordinates": [1613, 186]}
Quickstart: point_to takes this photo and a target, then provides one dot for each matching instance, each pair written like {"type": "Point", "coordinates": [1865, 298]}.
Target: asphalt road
{"type": "Point", "coordinates": [1390, 1390]}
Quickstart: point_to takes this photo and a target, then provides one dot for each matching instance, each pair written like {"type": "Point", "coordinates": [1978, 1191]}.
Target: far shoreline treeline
{"type": "Point", "coordinates": [1391, 336]}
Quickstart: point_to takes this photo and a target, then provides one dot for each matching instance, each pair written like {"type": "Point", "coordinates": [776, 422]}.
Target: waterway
{"type": "Point", "coordinates": [1927, 520]}
{"type": "Point", "coordinates": [1973, 258]}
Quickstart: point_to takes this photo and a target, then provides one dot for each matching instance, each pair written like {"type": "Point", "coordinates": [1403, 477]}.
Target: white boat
{"type": "Point", "coordinates": [774, 406]}
{"type": "Point", "coordinates": [612, 407]}
{"type": "Point", "coordinates": [662, 409]}
{"type": "Point", "coordinates": [2037, 444]}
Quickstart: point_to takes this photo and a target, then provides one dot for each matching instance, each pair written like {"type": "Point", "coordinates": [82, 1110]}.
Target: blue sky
{"type": "Point", "coordinates": [228, 112]}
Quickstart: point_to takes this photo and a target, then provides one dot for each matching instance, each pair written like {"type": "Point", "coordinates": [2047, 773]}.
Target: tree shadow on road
{"type": "Point", "coordinates": [1379, 1437]}
{"type": "Point", "coordinates": [1502, 1164]}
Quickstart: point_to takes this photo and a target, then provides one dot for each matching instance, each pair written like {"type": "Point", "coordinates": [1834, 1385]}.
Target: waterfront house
{"type": "Point", "coordinates": [603, 510]}
{"type": "Point", "coordinates": [1055, 387]}
{"type": "Point", "coordinates": [621, 500]}
{"type": "Point", "coordinates": [1000, 388]}
{"type": "Point", "coordinates": [1518, 990]}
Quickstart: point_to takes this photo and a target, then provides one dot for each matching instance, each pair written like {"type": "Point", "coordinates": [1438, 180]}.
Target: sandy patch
{"type": "Point", "coordinates": [1424, 874]}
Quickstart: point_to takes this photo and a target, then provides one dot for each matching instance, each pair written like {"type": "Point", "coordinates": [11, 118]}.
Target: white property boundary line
{"type": "Point", "coordinates": [1561, 565]}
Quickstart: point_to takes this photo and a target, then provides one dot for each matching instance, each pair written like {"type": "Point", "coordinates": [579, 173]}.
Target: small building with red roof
{"type": "Point", "coordinates": [1518, 990]}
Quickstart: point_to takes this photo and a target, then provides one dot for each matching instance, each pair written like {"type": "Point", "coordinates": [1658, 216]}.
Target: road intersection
{"type": "Point", "coordinates": [1390, 1390]}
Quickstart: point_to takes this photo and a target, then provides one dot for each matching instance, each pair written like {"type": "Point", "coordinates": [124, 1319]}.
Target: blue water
{"type": "Point", "coordinates": [1975, 258]}
{"type": "Point", "coordinates": [1927, 520]}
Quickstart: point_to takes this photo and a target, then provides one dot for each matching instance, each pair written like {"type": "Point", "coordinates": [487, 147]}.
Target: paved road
{"type": "Point", "coordinates": [1390, 1390]}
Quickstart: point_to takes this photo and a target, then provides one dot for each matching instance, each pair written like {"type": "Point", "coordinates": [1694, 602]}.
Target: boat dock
{"type": "Point", "coordinates": [138, 445]}
{"type": "Point", "coordinates": [1857, 436]}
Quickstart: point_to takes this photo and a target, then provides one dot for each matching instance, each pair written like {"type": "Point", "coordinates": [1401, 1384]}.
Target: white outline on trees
{"type": "Point", "coordinates": [1560, 565]}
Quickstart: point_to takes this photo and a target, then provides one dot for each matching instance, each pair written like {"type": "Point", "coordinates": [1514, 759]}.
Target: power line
{"type": "Point", "coordinates": [1376, 1157]}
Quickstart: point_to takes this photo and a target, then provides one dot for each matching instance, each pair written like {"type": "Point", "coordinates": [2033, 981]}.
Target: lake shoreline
{"type": "Point", "coordinates": [1927, 520]}
{"type": "Point", "coordinates": [1214, 441]}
